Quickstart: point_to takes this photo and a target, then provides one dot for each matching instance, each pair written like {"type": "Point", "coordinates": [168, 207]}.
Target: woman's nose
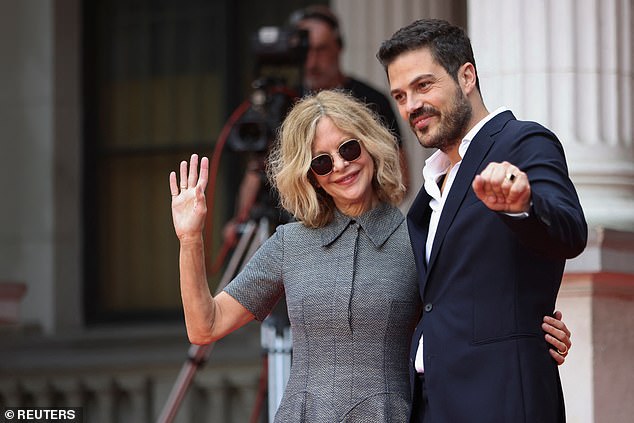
{"type": "Point", "coordinates": [338, 162]}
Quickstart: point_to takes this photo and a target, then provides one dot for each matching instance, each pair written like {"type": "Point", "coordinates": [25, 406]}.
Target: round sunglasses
{"type": "Point", "coordinates": [349, 151]}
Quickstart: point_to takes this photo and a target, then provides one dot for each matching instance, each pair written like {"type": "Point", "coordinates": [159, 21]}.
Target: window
{"type": "Point", "coordinates": [160, 79]}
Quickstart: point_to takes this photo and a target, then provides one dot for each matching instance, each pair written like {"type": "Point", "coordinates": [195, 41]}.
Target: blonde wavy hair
{"type": "Point", "coordinates": [288, 165]}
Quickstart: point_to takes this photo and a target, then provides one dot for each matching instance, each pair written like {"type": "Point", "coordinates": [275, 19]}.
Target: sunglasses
{"type": "Point", "coordinates": [349, 150]}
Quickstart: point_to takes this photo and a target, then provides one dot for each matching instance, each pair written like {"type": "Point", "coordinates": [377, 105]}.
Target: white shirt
{"type": "Point", "coordinates": [436, 166]}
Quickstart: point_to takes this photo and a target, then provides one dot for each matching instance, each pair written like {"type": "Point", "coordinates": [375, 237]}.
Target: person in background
{"type": "Point", "coordinates": [322, 68]}
{"type": "Point", "coordinates": [321, 71]}
{"type": "Point", "coordinates": [345, 266]}
{"type": "Point", "coordinates": [491, 230]}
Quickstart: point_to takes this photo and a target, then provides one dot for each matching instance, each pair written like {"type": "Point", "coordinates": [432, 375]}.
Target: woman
{"type": "Point", "coordinates": [345, 267]}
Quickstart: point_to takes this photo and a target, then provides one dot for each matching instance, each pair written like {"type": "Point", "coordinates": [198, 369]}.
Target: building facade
{"type": "Point", "coordinates": [77, 332]}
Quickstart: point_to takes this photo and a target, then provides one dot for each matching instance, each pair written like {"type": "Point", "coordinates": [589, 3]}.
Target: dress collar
{"type": "Point", "coordinates": [378, 224]}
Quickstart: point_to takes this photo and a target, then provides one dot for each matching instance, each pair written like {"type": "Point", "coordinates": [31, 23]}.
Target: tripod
{"type": "Point", "coordinates": [275, 333]}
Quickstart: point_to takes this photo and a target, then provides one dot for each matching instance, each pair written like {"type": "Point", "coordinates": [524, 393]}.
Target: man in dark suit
{"type": "Point", "coordinates": [491, 230]}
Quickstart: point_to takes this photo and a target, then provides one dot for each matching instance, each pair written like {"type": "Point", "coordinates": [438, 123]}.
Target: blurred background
{"type": "Point", "coordinates": [101, 99]}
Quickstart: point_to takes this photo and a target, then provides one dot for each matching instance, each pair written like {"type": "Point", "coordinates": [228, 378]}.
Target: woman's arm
{"type": "Point", "coordinates": [207, 318]}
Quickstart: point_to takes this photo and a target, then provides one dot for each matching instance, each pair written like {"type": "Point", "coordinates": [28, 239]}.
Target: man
{"type": "Point", "coordinates": [491, 230]}
{"type": "Point", "coordinates": [322, 70]}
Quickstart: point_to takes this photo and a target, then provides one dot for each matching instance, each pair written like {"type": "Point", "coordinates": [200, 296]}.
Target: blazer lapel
{"type": "Point", "coordinates": [418, 228]}
{"type": "Point", "coordinates": [479, 147]}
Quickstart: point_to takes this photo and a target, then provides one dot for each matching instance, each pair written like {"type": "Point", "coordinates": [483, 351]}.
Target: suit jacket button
{"type": "Point", "coordinates": [428, 307]}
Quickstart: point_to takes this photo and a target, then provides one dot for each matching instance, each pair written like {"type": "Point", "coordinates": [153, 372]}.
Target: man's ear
{"type": "Point", "coordinates": [467, 77]}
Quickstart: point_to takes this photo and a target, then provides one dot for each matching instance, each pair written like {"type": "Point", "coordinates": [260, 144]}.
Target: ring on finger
{"type": "Point", "coordinates": [564, 351]}
{"type": "Point", "coordinates": [510, 177]}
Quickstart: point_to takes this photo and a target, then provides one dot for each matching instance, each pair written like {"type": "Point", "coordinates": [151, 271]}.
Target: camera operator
{"type": "Point", "coordinates": [321, 70]}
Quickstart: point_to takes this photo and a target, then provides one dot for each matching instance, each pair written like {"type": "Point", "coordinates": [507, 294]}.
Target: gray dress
{"type": "Point", "coordinates": [353, 304]}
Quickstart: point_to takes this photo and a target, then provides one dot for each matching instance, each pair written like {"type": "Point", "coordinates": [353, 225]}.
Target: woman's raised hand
{"type": "Point", "coordinates": [189, 207]}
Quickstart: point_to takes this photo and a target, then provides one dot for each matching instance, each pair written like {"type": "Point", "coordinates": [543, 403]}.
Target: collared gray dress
{"type": "Point", "coordinates": [353, 303]}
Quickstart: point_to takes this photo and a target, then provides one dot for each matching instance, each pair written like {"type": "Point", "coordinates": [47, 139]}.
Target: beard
{"type": "Point", "coordinates": [451, 127]}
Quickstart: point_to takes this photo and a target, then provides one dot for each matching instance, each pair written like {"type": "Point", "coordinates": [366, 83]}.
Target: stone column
{"type": "Point", "coordinates": [597, 299]}
{"type": "Point", "coordinates": [40, 122]}
{"type": "Point", "coordinates": [567, 65]}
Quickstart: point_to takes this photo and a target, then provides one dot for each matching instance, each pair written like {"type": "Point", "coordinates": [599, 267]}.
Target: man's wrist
{"type": "Point", "coordinates": [521, 215]}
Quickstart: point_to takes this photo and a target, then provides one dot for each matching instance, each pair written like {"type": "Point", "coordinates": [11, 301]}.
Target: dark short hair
{"type": "Point", "coordinates": [449, 45]}
{"type": "Point", "coordinates": [321, 13]}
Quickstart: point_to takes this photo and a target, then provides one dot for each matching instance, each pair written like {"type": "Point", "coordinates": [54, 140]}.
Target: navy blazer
{"type": "Point", "coordinates": [490, 280]}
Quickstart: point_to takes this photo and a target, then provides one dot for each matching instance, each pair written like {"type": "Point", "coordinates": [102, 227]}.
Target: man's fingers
{"type": "Point", "coordinates": [478, 186]}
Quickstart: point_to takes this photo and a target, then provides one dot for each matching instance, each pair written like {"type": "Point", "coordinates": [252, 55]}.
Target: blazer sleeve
{"type": "Point", "coordinates": [556, 226]}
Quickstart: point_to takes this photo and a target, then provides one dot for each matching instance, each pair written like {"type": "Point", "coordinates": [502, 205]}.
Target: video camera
{"type": "Point", "coordinates": [275, 49]}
